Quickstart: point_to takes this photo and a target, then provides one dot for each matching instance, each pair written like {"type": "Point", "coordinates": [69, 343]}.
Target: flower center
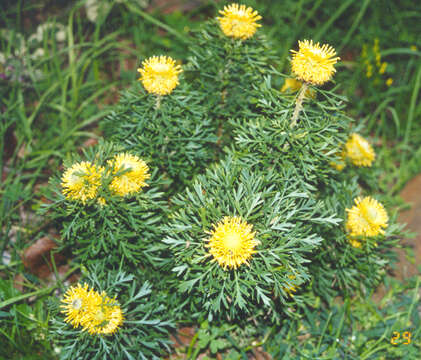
{"type": "Point", "coordinates": [100, 316]}
{"type": "Point", "coordinates": [74, 178]}
{"type": "Point", "coordinates": [233, 241]}
{"type": "Point", "coordinates": [371, 214]}
{"type": "Point", "coordinates": [161, 69]}
{"type": "Point", "coordinates": [77, 304]}
{"type": "Point", "coordinates": [364, 147]}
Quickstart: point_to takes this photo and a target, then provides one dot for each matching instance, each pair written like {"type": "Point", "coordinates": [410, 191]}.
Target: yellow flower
{"type": "Point", "coordinates": [389, 82]}
{"type": "Point", "coordinates": [106, 319]}
{"type": "Point", "coordinates": [238, 21]}
{"type": "Point", "coordinates": [232, 242]}
{"type": "Point", "coordinates": [101, 201]}
{"type": "Point", "coordinates": [291, 289]}
{"type": "Point", "coordinates": [312, 63]}
{"type": "Point", "coordinates": [354, 242]}
{"type": "Point", "coordinates": [340, 164]}
{"type": "Point", "coordinates": [95, 312]}
{"type": "Point", "coordinates": [159, 75]}
{"type": "Point", "coordinates": [367, 217]}
{"type": "Point", "coordinates": [293, 85]}
{"type": "Point", "coordinates": [79, 302]}
{"type": "Point", "coordinates": [81, 181]}
{"type": "Point", "coordinates": [369, 72]}
{"type": "Point", "coordinates": [383, 68]}
{"type": "Point", "coordinates": [413, 48]}
{"type": "Point", "coordinates": [359, 151]}
{"type": "Point", "coordinates": [133, 179]}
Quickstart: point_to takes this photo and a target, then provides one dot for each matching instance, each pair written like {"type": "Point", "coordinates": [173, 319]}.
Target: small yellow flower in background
{"type": "Point", "coordinates": [389, 82]}
{"type": "Point", "coordinates": [95, 312]}
{"type": "Point", "coordinates": [383, 68]}
{"type": "Point", "coordinates": [369, 72]}
{"type": "Point", "coordinates": [101, 201]}
{"type": "Point", "coordinates": [132, 180]}
{"type": "Point", "coordinates": [159, 75]}
{"type": "Point", "coordinates": [413, 48]}
{"type": "Point", "coordinates": [355, 243]}
{"type": "Point", "coordinates": [81, 181]}
{"type": "Point", "coordinates": [238, 21]}
{"type": "Point", "coordinates": [293, 85]}
{"type": "Point", "coordinates": [291, 289]}
{"type": "Point", "coordinates": [313, 63]}
{"type": "Point", "coordinates": [340, 164]}
{"type": "Point", "coordinates": [232, 242]}
{"type": "Point", "coordinates": [359, 151]}
{"type": "Point", "coordinates": [366, 218]}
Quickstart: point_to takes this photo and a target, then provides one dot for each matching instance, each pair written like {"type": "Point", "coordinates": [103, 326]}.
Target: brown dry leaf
{"type": "Point", "coordinates": [260, 354]}
{"type": "Point", "coordinates": [89, 142]}
{"type": "Point", "coordinates": [36, 258]}
{"type": "Point", "coordinates": [412, 217]}
{"type": "Point", "coordinates": [183, 336]}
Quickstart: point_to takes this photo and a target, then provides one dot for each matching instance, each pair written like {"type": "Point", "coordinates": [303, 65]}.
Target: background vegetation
{"type": "Point", "coordinates": [62, 65]}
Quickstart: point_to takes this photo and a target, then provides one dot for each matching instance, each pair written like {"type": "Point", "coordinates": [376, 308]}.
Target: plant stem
{"type": "Point", "coordinates": [10, 301]}
{"type": "Point", "coordinates": [298, 104]}
{"type": "Point", "coordinates": [158, 102]}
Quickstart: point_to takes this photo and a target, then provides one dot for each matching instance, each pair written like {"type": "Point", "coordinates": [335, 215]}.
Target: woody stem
{"type": "Point", "coordinates": [158, 101]}
{"type": "Point", "coordinates": [298, 104]}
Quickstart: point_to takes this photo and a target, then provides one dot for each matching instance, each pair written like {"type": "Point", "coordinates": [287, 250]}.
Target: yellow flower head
{"type": "Point", "coordinates": [159, 75]}
{"type": "Point", "coordinates": [366, 218]}
{"type": "Point", "coordinates": [359, 151]}
{"type": "Point", "coordinates": [106, 318]}
{"type": "Point", "coordinates": [132, 180]}
{"type": "Point", "coordinates": [355, 243]}
{"type": "Point", "coordinates": [340, 163]}
{"type": "Point", "coordinates": [291, 289]}
{"type": "Point", "coordinates": [81, 181]}
{"type": "Point", "coordinates": [238, 21]}
{"type": "Point", "coordinates": [79, 302]}
{"type": "Point", "coordinates": [95, 312]}
{"type": "Point", "coordinates": [312, 63]}
{"type": "Point", "coordinates": [232, 242]}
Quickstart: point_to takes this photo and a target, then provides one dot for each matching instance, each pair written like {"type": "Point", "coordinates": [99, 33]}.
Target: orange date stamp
{"type": "Point", "coordinates": [401, 338]}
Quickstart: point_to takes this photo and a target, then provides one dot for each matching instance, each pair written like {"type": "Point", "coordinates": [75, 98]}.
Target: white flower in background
{"type": "Point", "coordinates": [38, 53]}
{"type": "Point", "coordinates": [61, 35]}
{"type": "Point", "coordinates": [42, 30]}
{"type": "Point", "coordinates": [95, 8]}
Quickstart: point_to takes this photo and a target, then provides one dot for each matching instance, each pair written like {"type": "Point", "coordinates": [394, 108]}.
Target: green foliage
{"type": "Point", "coordinates": [122, 229]}
{"type": "Point", "coordinates": [225, 69]}
{"type": "Point", "coordinates": [356, 329]}
{"type": "Point", "coordinates": [143, 334]}
{"type": "Point", "coordinates": [53, 93]}
{"type": "Point", "coordinates": [282, 224]}
{"type": "Point", "coordinates": [306, 152]}
{"type": "Point", "coordinates": [265, 138]}
{"type": "Point", "coordinates": [24, 329]}
{"type": "Point", "coordinates": [172, 133]}
{"type": "Point", "coordinates": [340, 268]}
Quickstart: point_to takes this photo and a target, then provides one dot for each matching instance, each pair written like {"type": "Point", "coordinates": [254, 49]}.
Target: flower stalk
{"type": "Point", "coordinates": [298, 105]}
{"type": "Point", "coordinates": [158, 102]}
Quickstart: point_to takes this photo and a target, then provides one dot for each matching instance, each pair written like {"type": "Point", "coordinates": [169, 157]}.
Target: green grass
{"type": "Point", "coordinates": [53, 104]}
